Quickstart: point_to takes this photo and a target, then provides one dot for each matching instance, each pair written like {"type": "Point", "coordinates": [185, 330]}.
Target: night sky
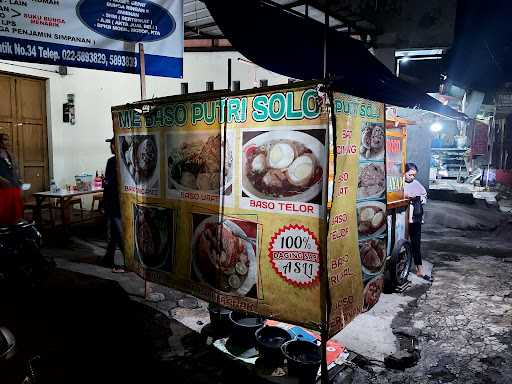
{"type": "Point", "coordinates": [481, 55]}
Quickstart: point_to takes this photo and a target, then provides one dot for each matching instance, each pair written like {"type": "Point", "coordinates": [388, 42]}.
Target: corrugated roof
{"type": "Point", "coordinates": [200, 24]}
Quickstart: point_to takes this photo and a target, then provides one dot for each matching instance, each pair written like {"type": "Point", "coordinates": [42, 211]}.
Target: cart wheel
{"type": "Point", "coordinates": [399, 263]}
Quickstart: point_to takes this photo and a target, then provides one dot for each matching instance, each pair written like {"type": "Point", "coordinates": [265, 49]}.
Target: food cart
{"type": "Point", "coordinates": [224, 195]}
{"type": "Point", "coordinates": [399, 255]}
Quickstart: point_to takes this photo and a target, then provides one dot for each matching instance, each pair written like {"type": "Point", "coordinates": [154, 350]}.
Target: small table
{"type": "Point", "coordinates": [63, 196]}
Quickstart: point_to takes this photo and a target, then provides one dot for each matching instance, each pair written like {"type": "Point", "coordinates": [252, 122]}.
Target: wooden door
{"type": "Point", "coordinates": [23, 111]}
{"type": "Point", "coordinates": [7, 108]}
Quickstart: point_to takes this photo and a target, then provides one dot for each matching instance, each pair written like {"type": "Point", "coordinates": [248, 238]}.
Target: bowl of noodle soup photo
{"type": "Point", "coordinates": [283, 165]}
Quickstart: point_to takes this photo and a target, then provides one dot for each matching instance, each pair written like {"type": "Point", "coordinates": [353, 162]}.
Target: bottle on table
{"type": "Point", "coordinates": [53, 186]}
{"type": "Point", "coordinates": [97, 181]}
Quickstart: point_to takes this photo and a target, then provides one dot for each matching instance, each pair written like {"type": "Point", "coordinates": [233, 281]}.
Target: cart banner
{"type": "Point", "coordinates": [222, 197]}
{"type": "Point", "coordinates": [395, 162]}
{"type": "Point", "coordinates": [356, 242]}
{"type": "Point", "coordinates": [96, 34]}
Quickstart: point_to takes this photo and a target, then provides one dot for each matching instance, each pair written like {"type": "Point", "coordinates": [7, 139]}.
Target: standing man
{"type": "Point", "coordinates": [112, 210]}
{"type": "Point", "coordinates": [11, 203]}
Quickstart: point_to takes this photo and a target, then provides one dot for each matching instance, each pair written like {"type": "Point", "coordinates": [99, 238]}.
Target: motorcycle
{"type": "Point", "coordinates": [23, 268]}
{"type": "Point", "coordinates": [9, 359]}
{"type": "Point", "coordinates": [21, 263]}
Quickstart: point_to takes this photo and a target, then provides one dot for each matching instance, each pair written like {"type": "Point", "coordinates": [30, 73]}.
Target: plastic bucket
{"type": "Point", "coordinates": [303, 360]}
{"type": "Point", "coordinates": [243, 328]}
{"type": "Point", "coordinates": [219, 319]}
{"type": "Point", "coordinates": [269, 340]}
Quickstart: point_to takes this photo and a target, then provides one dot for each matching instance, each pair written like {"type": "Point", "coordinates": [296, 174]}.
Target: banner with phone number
{"type": "Point", "coordinates": [96, 34]}
{"type": "Point", "coordinates": [356, 242]}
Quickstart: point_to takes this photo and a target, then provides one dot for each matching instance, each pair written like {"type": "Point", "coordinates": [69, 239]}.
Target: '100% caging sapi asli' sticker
{"type": "Point", "coordinates": [294, 252]}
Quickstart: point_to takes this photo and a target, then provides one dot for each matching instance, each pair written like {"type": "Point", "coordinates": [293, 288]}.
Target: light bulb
{"type": "Point", "coordinates": [436, 127]}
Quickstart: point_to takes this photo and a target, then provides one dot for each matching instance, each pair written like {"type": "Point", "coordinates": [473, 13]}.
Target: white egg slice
{"type": "Point", "coordinates": [281, 155]}
{"type": "Point", "coordinates": [366, 214]}
{"type": "Point", "coordinates": [258, 164]}
{"type": "Point", "coordinates": [378, 219]}
{"type": "Point", "coordinates": [301, 170]}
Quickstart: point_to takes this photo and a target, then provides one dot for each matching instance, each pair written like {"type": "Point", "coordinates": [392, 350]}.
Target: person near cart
{"type": "Point", "coordinates": [112, 210]}
{"type": "Point", "coordinates": [11, 202]}
{"type": "Point", "coordinates": [417, 196]}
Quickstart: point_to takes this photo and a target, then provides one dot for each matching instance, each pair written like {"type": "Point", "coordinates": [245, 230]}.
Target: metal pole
{"type": "Point", "coordinates": [142, 72]}
{"type": "Point", "coordinates": [326, 33]}
{"type": "Point", "coordinates": [142, 78]}
{"type": "Point", "coordinates": [229, 74]}
{"type": "Point", "coordinates": [490, 140]}
{"type": "Point", "coordinates": [324, 288]}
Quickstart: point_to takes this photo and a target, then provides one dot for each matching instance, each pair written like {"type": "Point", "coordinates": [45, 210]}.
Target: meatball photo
{"type": "Point", "coordinates": [373, 255]}
{"type": "Point", "coordinates": [154, 233]}
{"type": "Point", "coordinates": [139, 163]}
{"type": "Point", "coordinates": [372, 181]}
{"type": "Point", "coordinates": [372, 141]}
{"type": "Point", "coordinates": [224, 254]}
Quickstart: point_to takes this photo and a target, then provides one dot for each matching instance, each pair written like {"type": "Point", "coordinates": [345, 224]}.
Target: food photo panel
{"type": "Point", "coordinates": [139, 161]}
{"type": "Point", "coordinates": [372, 141]}
{"type": "Point", "coordinates": [373, 255]}
{"type": "Point", "coordinates": [373, 288]}
{"type": "Point", "coordinates": [196, 163]}
{"type": "Point", "coordinates": [371, 218]}
{"type": "Point", "coordinates": [224, 255]}
{"type": "Point", "coordinates": [372, 181]}
{"type": "Point", "coordinates": [154, 237]}
{"type": "Point", "coordinates": [283, 170]}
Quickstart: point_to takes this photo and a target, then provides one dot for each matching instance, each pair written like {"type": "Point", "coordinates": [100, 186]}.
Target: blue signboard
{"type": "Point", "coordinates": [95, 34]}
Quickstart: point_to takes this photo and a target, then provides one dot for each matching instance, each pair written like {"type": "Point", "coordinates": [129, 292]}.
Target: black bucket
{"type": "Point", "coordinates": [243, 327]}
{"type": "Point", "coordinates": [269, 340]}
{"type": "Point", "coordinates": [219, 319]}
{"type": "Point", "coordinates": [303, 360]}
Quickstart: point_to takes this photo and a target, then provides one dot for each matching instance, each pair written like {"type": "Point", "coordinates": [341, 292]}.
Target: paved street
{"type": "Point", "coordinates": [464, 321]}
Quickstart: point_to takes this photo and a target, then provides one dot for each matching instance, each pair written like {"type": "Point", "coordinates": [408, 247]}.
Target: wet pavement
{"type": "Point", "coordinates": [462, 322]}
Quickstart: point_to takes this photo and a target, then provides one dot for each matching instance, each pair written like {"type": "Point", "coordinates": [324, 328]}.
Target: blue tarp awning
{"type": "Point", "coordinates": [293, 46]}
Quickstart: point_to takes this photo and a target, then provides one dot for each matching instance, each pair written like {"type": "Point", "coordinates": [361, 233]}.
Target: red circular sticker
{"type": "Point", "coordinates": [294, 252]}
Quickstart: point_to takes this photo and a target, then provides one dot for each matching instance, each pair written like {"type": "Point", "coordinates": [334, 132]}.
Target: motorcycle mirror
{"type": "Point", "coordinates": [7, 344]}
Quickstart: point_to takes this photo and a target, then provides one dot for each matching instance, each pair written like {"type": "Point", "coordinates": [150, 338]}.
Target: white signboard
{"type": "Point", "coordinates": [97, 34]}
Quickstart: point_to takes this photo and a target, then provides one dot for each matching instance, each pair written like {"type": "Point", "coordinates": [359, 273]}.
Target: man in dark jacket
{"type": "Point", "coordinates": [112, 210]}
